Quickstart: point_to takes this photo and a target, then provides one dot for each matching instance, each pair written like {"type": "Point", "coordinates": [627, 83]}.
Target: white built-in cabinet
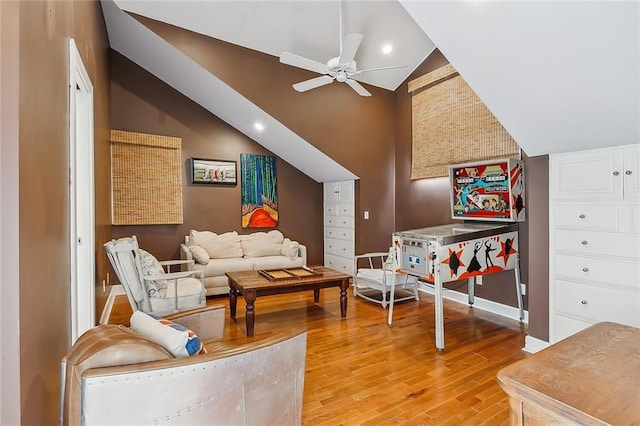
{"type": "Point", "coordinates": [594, 236]}
{"type": "Point", "coordinates": [339, 225]}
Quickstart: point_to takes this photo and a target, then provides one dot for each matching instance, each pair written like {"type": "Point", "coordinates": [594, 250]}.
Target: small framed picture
{"type": "Point", "coordinates": [213, 172]}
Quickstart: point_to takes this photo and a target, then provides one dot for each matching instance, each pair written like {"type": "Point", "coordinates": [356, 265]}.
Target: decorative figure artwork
{"type": "Point", "coordinates": [483, 256]}
{"type": "Point", "coordinates": [488, 191]}
{"type": "Point", "coordinates": [259, 191]}
{"type": "Point", "coordinates": [213, 172]}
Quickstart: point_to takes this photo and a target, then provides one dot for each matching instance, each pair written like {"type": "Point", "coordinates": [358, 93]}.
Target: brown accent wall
{"type": "Point", "coordinates": [143, 103]}
{"type": "Point", "coordinates": [425, 202]}
{"type": "Point", "coordinates": [357, 132]}
{"type": "Point", "coordinates": [45, 27]}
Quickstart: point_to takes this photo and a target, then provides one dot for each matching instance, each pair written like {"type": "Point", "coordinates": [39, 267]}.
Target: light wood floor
{"type": "Point", "coordinates": [361, 372]}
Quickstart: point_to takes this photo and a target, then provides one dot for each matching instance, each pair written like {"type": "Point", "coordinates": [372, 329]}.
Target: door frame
{"type": "Point", "coordinates": [81, 195]}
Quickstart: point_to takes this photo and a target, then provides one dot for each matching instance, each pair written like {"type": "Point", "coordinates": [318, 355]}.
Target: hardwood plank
{"type": "Point", "coordinates": [361, 372]}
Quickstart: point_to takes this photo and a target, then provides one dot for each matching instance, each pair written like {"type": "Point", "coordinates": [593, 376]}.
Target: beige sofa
{"type": "Point", "coordinates": [113, 375]}
{"type": "Point", "coordinates": [217, 254]}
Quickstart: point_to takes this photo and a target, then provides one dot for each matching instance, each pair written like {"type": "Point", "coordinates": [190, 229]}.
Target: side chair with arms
{"type": "Point", "coordinates": [376, 281]}
{"type": "Point", "coordinates": [148, 286]}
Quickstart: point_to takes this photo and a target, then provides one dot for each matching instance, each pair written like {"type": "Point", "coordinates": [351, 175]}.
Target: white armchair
{"type": "Point", "coordinates": [148, 286]}
{"type": "Point", "coordinates": [376, 281]}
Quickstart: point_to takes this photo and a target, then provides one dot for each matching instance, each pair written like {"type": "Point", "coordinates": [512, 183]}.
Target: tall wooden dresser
{"type": "Point", "coordinates": [339, 225]}
{"type": "Point", "coordinates": [594, 228]}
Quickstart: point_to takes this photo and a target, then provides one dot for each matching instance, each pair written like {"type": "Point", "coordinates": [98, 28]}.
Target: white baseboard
{"type": "Point", "coordinates": [479, 303]}
{"type": "Point", "coordinates": [113, 292]}
{"type": "Point", "coordinates": [533, 345]}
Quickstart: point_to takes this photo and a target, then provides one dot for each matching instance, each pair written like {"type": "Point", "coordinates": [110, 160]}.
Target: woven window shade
{"type": "Point", "coordinates": [451, 125]}
{"type": "Point", "coordinates": [146, 179]}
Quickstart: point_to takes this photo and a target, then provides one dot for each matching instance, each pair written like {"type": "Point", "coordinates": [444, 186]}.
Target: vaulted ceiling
{"type": "Point", "coordinates": [560, 76]}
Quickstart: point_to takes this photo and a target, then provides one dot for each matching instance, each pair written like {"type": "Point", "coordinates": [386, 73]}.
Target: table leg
{"type": "Point", "coordinates": [250, 315]}
{"type": "Point", "coordinates": [233, 300]}
{"type": "Point", "coordinates": [343, 298]}
{"type": "Point", "coordinates": [316, 295]}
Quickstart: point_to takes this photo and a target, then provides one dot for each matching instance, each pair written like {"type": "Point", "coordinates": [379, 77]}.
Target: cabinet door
{"type": "Point", "coordinates": [596, 175]}
{"type": "Point", "coordinates": [632, 173]}
{"type": "Point", "coordinates": [332, 192]}
{"type": "Point", "coordinates": [347, 191]}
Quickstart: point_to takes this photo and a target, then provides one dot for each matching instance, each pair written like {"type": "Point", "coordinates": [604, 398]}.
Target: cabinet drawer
{"type": "Point", "coordinates": [339, 247]}
{"type": "Point", "coordinates": [339, 233]}
{"type": "Point", "coordinates": [337, 263]}
{"type": "Point", "coordinates": [605, 243]}
{"type": "Point", "coordinates": [605, 271]}
{"type": "Point", "coordinates": [596, 303]}
{"type": "Point", "coordinates": [564, 327]}
{"type": "Point", "coordinates": [345, 209]}
{"type": "Point", "coordinates": [339, 221]}
{"type": "Point", "coordinates": [331, 209]}
{"type": "Point", "coordinates": [589, 216]}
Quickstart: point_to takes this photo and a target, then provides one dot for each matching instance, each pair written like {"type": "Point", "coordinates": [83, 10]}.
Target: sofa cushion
{"type": "Point", "coordinates": [290, 249]}
{"type": "Point", "coordinates": [262, 244]}
{"type": "Point", "coordinates": [199, 254]}
{"type": "Point", "coordinates": [175, 338]}
{"type": "Point", "coordinates": [218, 267]}
{"type": "Point", "coordinates": [272, 262]}
{"type": "Point", "coordinates": [223, 246]}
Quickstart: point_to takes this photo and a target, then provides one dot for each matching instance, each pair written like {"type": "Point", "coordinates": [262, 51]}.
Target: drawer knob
{"type": "Point", "coordinates": [584, 302]}
{"type": "Point", "coordinates": [582, 216]}
{"type": "Point", "coordinates": [628, 172]}
{"type": "Point", "coordinates": [616, 173]}
{"type": "Point", "coordinates": [585, 242]}
{"type": "Point", "coordinates": [585, 269]}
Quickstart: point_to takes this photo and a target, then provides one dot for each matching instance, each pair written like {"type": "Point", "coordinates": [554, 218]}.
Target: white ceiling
{"type": "Point", "coordinates": [559, 75]}
{"type": "Point", "coordinates": [307, 28]}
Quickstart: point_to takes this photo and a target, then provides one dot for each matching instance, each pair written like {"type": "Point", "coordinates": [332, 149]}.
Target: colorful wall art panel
{"type": "Point", "coordinates": [259, 191]}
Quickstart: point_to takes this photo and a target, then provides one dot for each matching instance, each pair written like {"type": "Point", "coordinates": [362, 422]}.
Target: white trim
{"type": "Point", "coordinates": [115, 290]}
{"type": "Point", "coordinates": [81, 196]}
{"type": "Point", "coordinates": [533, 345]}
{"type": "Point", "coordinates": [479, 303]}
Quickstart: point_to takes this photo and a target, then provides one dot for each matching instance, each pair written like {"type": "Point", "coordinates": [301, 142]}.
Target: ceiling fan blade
{"type": "Point", "coordinates": [349, 48]}
{"type": "Point", "coordinates": [378, 69]}
{"type": "Point", "coordinates": [357, 87]}
{"type": "Point", "coordinates": [303, 86]}
{"type": "Point", "coordinates": [302, 62]}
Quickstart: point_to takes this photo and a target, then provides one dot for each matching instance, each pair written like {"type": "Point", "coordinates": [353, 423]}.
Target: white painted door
{"type": "Point", "coordinates": [82, 238]}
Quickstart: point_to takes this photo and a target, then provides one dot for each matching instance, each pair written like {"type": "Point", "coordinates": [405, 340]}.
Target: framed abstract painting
{"type": "Point", "coordinates": [259, 191]}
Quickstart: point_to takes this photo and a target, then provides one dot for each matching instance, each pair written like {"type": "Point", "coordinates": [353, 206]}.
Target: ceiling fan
{"type": "Point", "coordinates": [341, 68]}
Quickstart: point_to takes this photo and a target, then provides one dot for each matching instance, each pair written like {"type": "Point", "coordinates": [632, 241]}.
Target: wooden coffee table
{"type": "Point", "coordinates": [252, 284]}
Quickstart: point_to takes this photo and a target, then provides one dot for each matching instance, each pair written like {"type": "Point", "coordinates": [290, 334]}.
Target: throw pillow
{"type": "Point", "coordinates": [199, 254]}
{"type": "Point", "coordinates": [175, 338]}
{"type": "Point", "coordinates": [261, 244]}
{"type": "Point", "coordinates": [151, 266]}
{"type": "Point", "coordinates": [290, 248]}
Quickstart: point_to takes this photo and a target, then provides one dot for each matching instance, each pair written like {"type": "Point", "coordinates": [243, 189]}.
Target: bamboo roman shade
{"type": "Point", "coordinates": [451, 125]}
{"type": "Point", "coordinates": [146, 179]}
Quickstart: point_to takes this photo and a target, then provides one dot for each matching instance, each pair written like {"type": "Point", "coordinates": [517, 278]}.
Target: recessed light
{"type": "Point", "coordinates": [387, 48]}
{"type": "Point", "coordinates": [259, 126]}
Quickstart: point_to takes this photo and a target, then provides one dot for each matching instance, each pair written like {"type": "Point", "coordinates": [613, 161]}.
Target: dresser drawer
{"type": "Point", "coordinates": [339, 233]}
{"type": "Point", "coordinates": [588, 216]}
{"type": "Point", "coordinates": [596, 303]}
{"type": "Point", "coordinates": [594, 242]}
{"type": "Point", "coordinates": [564, 327]}
{"type": "Point", "coordinates": [339, 221]}
{"type": "Point", "coordinates": [339, 247]}
{"type": "Point", "coordinates": [345, 209]}
{"type": "Point", "coordinates": [606, 271]}
{"type": "Point", "coordinates": [337, 263]}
